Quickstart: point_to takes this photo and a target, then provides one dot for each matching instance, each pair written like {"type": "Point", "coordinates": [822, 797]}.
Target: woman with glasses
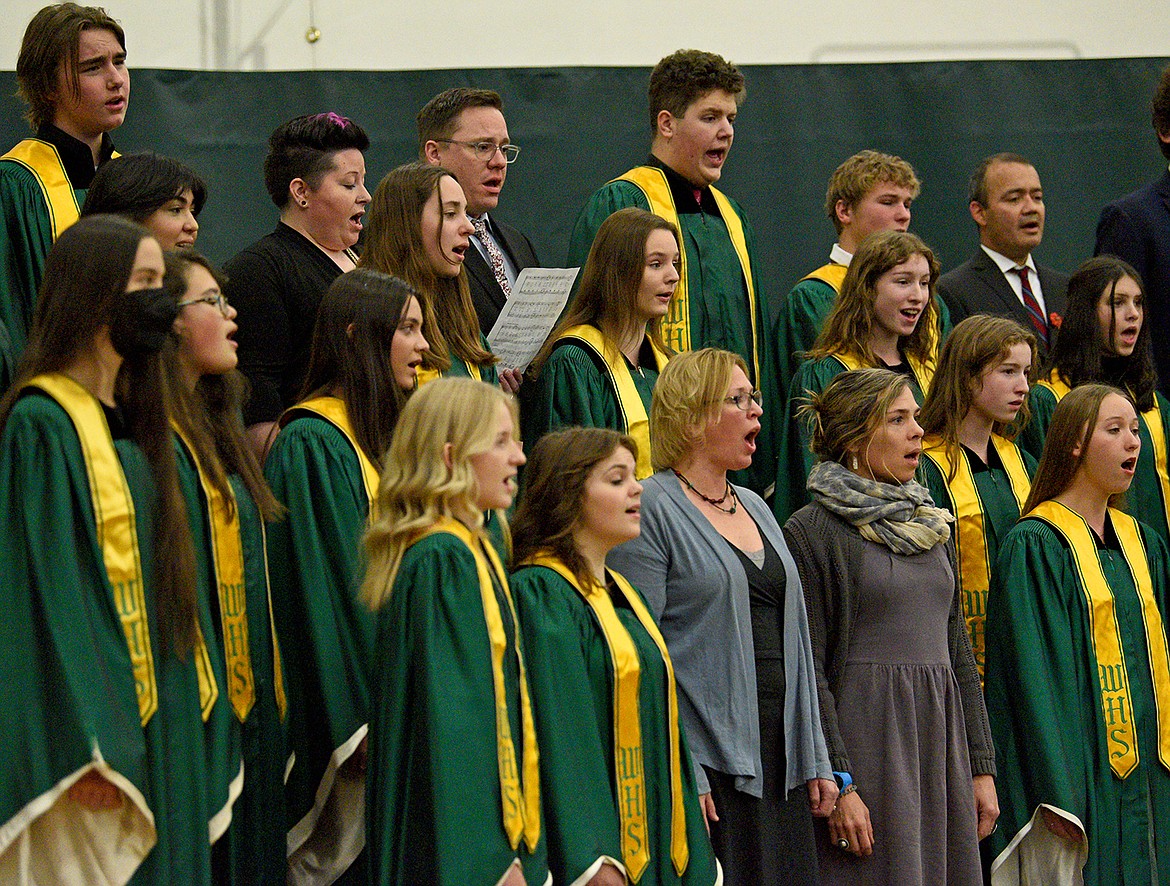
{"type": "Point", "coordinates": [419, 231]}
{"type": "Point", "coordinates": [900, 701]}
{"type": "Point", "coordinates": [713, 567]}
{"type": "Point", "coordinates": [599, 366]}
{"type": "Point", "coordinates": [886, 316]}
{"type": "Point", "coordinates": [228, 502]}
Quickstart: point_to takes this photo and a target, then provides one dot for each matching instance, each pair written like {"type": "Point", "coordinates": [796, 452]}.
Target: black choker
{"type": "Point", "coordinates": [716, 503]}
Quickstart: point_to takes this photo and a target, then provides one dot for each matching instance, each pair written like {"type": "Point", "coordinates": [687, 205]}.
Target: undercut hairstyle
{"type": "Point", "coordinates": [860, 174]}
{"type": "Point", "coordinates": [554, 494]}
{"type": "Point", "coordinates": [1080, 353]}
{"type": "Point", "coordinates": [51, 41]}
{"type": "Point", "coordinates": [428, 473]}
{"type": "Point", "coordinates": [439, 118]}
{"type": "Point", "coordinates": [136, 185]}
{"type": "Point", "coordinates": [1072, 426]}
{"type": "Point", "coordinates": [304, 148]}
{"type": "Point", "coordinates": [844, 416]}
{"type": "Point", "coordinates": [977, 184]}
{"type": "Point", "coordinates": [211, 414]}
{"type": "Point", "coordinates": [611, 280]}
{"type": "Point", "coordinates": [1160, 111]}
{"type": "Point", "coordinates": [352, 342]}
{"type": "Point", "coordinates": [394, 245]}
{"type": "Point", "coordinates": [686, 76]}
{"type": "Point", "coordinates": [687, 397]}
{"type": "Point", "coordinates": [852, 320]}
{"type": "Point", "coordinates": [86, 274]}
{"type": "Point", "coordinates": [976, 345]}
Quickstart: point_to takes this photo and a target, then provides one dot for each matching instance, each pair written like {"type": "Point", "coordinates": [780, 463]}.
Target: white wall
{"type": "Point", "coordinates": [415, 34]}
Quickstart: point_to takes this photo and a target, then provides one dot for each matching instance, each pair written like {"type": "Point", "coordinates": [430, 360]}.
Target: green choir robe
{"type": "Point", "coordinates": [1145, 499]}
{"type": "Point", "coordinates": [68, 703]}
{"type": "Point", "coordinates": [718, 300]}
{"type": "Point", "coordinates": [460, 368]}
{"type": "Point", "coordinates": [1045, 706]}
{"type": "Point", "coordinates": [571, 674]}
{"type": "Point", "coordinates": [574, 390]}
{"type": "Point", "coordinates": [433, 801]}
{"type": "Point", "coordinates": [256, 838]}
{"type": "Point", "coordinates": [315, 560]}
{"type": "Point", "coordinates": [796, 458]}
{"type": "Point", "coordinates": [999, 508]}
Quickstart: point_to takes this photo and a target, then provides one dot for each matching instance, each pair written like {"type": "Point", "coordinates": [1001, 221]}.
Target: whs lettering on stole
{"type": "Point", "coordinates": [234, 615]}
{"type": "Point", "coordinates": [674, 326]}
{"type": "Point", "coordinates": [509, 776]}
{"type": "Point", "coordinates": [1118, 718]}
{"type": "Point", "coordinates": [631, 800]}
{"type": "Point", "coordinates": [975, 605]}
{"type": "Point", "coordinates": [131, 612]}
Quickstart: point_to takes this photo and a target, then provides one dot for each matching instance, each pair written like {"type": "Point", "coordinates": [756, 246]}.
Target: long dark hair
{"type": "Point", "coordinates": [351, 350]}
{"type": "Point", "coordinates": [611, 280]}
{"type": "Point", "coordinates": [554, 494]}
{"type": "Point", "coordinates": [85, 274]}
{"type": "Point", "coordinates": [1079, 355]}
{"type": "Point", "coordinates": [210, 416]}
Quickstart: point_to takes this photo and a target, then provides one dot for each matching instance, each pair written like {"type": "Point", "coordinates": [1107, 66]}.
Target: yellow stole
{"type": "Point", "coordinates": [1154, 424]}
{"type": "Point", "coordinates": [630, 405]}
{"type": "Point", "coordinates": [117, 536]}
{"type": "Point", "coordinates": [971, 532]}
{"type": "Point", "coordinates": [332, 409]}
{"type": "Point", "coordinates": [1113, 678]}
{"type": "Point", "coordinates": [832, 274]}
{"type": "Point", "coordinates": [520, 791]}
{"type": "Point", "coordinates": [628, 766]}
{"type": "Point", "coordinates": [227, 563]}
{"type": "Point", "coordinates": [676, 328]}
{"type": "Point", "coordinates": [426, 374]}
{"type": "Point", "coordinates": [44, 162]}
{"type": "Point", "coordinates": [923, 372]}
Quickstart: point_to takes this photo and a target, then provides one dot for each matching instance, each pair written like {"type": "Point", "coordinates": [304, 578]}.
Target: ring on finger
{"type": "Point", "coordinates": [843, 844]}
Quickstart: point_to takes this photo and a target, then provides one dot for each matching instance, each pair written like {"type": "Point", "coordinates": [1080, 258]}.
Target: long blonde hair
{"type": "Point", "coordinates": [417, 487]}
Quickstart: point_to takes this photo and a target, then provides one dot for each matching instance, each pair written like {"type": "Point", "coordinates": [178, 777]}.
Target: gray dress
{"type": "Point", "coordinates": [899, 718]}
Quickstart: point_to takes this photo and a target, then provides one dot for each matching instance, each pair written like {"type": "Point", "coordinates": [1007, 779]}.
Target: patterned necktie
{"type": "Point", "coordinates": [495, 257]}
{"type": "Point", "coordinates": [1035, 314]}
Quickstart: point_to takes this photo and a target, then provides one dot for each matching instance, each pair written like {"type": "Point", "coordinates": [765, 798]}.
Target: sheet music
{"type": "Point", "coordinates": [537, 300]}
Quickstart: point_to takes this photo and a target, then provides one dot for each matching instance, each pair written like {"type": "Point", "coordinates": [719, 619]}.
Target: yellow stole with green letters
{"type": "Point", "coordinates": [520, 790]}
{"type": "Point", "coordinates": [630, 405]}
{"type": "Point", "coordinates": [117, 536]}
{"type": "Point", "coordinates": [1112, 673]}
{"type": "Point", "coordinates": [970, 519]}
{"type": "Point", "coordinates": [676, 328]}
{"type": "Point", "coordinates": [333, 410]}
{"type": "Point", "coordinates": [628, 766]}
{"type": "Point", "coordinates": [227, 563]}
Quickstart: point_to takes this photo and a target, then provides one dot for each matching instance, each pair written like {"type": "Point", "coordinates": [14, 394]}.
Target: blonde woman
{"type": "Point", "coordinates": [453, 790]}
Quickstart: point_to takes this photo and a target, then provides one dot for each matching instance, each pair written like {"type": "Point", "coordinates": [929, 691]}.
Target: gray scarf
{"type": "Point", "coordinates": [903, 518]}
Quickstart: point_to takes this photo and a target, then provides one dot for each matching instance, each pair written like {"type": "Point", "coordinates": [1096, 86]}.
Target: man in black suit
{"type": "Point", "coordinates": [463, 130]}
{"type": "Point", "coordinates": [1007, 203]}
{"type": "Point", "coordinates": [1136, 228]}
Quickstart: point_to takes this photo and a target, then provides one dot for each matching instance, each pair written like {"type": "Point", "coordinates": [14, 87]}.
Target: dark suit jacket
{"type": "Point", "coordinates": [1136, 228]}
{"type": "Point", "coordinates": [485, 291]}
{"type": "Point", "coordinates": [978, 286]}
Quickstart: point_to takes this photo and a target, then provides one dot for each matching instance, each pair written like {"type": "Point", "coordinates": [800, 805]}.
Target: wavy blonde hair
{"type": "Point", "coordinates": [417, 487]}
{"type": "Point", "coordinates": [687, 396]}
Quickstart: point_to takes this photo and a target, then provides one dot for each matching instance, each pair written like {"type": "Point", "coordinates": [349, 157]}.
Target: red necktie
{"type": "Point", "coordinates": [1035, 314]}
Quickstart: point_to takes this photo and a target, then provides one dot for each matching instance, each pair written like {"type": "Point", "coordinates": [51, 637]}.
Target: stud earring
{"type": "Point", "coordinates": [853, 462]}
{"type": "Point", "coordinates": [304, 203]}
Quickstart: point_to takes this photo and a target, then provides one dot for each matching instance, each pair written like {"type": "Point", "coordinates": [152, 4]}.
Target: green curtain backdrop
{"type": "Point", "coordinates": [1084, 123]}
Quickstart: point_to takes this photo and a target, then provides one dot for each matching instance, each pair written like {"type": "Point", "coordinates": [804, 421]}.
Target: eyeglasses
{"type": "Point", "coordinates": [219, 300]}
{"type": "Point", "coordinates": [740, 401]}
{"type": "Point", "coordinates": [486, 150]}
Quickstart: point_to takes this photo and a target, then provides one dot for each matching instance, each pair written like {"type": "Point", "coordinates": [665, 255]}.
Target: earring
{"type": "Point", "coordinates": [304, 203]}
{"type": "Point", "coordinates": [853, 462]}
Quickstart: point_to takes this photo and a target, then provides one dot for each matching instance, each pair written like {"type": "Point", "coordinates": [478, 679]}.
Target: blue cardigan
{"type": "Point", "coordinates": [697, 589]}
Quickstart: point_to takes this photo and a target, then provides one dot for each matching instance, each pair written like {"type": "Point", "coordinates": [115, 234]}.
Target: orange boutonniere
{"type": "Point", "coordinates": [1054, 320]}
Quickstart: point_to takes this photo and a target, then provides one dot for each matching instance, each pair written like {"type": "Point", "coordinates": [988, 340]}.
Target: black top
{"type": "Point", "coordinates": [276, 285]}
{"type": "Point", "coordinates": [76, 156]}
{"type": "Point", "coordinates": [683, 192]}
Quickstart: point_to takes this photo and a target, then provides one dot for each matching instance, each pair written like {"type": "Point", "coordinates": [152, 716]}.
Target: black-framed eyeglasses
{"type": "Point", "coordinates": [486, 150]}
{"type": "Point", "coordinates": [740, 401]}
{"type": "Point", "coordinates": [219, 300]}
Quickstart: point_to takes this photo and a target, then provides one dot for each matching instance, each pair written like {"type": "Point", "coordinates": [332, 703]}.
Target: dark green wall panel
{"type": "Point", "coordinates": [1085, 124]}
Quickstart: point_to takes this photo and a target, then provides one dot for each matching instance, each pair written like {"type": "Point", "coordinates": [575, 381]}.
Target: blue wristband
{"type": "Point", "coordinates": [844, 779]}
